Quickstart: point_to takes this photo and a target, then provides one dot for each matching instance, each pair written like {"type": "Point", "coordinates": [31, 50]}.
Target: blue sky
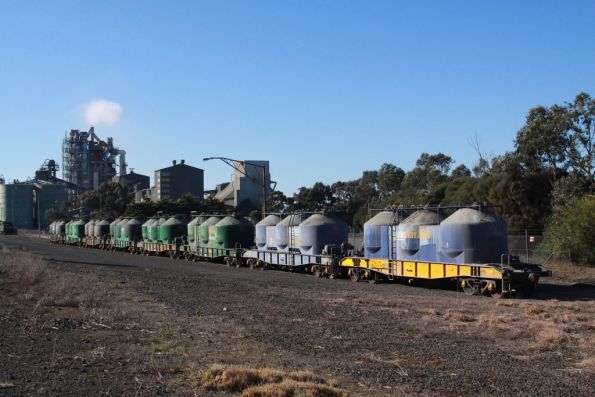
{"type": "Point", "coordinates": [322, 89]}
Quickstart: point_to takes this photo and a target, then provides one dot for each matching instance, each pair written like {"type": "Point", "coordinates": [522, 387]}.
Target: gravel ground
{"type": "Point", "coordinates": [384, 339]}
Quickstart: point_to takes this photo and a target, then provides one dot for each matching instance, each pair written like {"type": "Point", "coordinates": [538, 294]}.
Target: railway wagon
{"type": "Point", "coordinates": [304, 242]}
{"type": "Point", "coordinates": [467, 248]}
{"type": "Point", "coordinates": [220, 239]}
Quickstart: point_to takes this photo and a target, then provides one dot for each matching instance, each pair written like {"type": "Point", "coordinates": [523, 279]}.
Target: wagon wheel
{"type": "Point", "coordinates": [355, 275]}
{"type": "Point", "coordinates": [187, 256]}
{"type": "Point", "coordinates": [375, 279]}
{"type": "Point", "coordinates": [316, 271]}
{"type": "Point", "coordinates": [227, 261]}
{"type": "Point", "coordinates": [252, 263]}
{"type": "Point", "coordinates": [237, 262]}
{"type": "Point", "coordinates": [469, 287]}
{"type": "Point", "coordinates": [173, 254]}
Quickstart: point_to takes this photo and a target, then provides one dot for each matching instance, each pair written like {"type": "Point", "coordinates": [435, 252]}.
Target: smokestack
{"type": "Point", "coordinates": [182, 161]}
{"type": "Point", "coordinates": [174, 162]}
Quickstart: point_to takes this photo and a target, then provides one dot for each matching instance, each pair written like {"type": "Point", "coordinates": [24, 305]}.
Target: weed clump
{"type": "Point", "coordinates": [267, 382]}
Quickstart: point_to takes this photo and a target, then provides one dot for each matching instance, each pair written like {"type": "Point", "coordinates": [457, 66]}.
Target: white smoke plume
{"type": "Point", "coordinates": [102, 111]}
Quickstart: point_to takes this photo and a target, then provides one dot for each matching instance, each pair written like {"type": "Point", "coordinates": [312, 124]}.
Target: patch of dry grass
{"type": "Point", "coordinates": [569, 274]}
{"type": "Point", "coordinates": [290, 388]}
{"type": "Point", "coordinates": [23, 268]}
{"type": "Point", "coordinates": [525, 328]}
{"type": "Point", "coordinates": [30, 277]}
{"type": "Point", "coordinates": [267, 382]}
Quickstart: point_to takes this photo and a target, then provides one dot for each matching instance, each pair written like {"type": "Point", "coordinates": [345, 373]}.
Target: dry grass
{"type": "Point", "coordinates": [570, 274]}
{"type": "Point", "coordinates": [32, 280]}
{"type": "Point", "coordinates": [23, 268]}
{"type": "Point", "coordinates": [588, 364]}
{"type": "Point", "coordinates": [525, 329]}
{"type": "Point", "coordinates": [267, 382]}
{"type": "Point", "coordinates": [290, 388]}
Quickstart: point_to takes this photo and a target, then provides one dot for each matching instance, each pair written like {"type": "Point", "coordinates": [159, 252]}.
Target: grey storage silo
{"type": "Point", "coordinates": [191, 228]}
{"type": "Point", "coordinates": [473, 235]}
{"type": "Point", "coordinates": [418, 236]}
{"type": "Point", "coordinates": [202, 230]}
{"type": "Point", "coordinates": [101, 228]}
{"type": "Point", "coordinates": [380, 235]}
{"type": "Point", "coordinates": [264, 228]}
{"type": "Point", "coordinates": [320, 230]}
{"type": "Point", "coordinates": [16, 205]}
{"type": "Point", "coordinates": [90, 228]}
{"type": "Point", "coordinates": [60, 228]}
{"type": "Point", "coordinates": [287, 232]}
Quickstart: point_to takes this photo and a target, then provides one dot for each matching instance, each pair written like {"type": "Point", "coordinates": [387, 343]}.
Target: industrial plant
{"type": "Point", "coordinates": [251, 183]}
{"type": "Point", "coordinates": [89, 162]}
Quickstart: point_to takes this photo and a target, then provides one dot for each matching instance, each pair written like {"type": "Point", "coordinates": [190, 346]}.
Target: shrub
{"type": "Point", "coordinates": [571, 231]}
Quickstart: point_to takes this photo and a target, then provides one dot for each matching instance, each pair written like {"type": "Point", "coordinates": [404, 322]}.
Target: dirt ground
{"type": "Point", "coordinates": [80, 321]}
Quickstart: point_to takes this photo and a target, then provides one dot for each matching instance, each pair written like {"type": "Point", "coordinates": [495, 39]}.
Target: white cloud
{"type": "Point", "coordinates": [102, 111]}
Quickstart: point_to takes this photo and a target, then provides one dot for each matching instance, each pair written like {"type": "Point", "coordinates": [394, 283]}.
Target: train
{"type": "Point", "coordinates": [464, 246]}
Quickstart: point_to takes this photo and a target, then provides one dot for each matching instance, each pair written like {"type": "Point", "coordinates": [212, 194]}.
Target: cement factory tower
{"type": "Point", "coordinates": [87, 161]}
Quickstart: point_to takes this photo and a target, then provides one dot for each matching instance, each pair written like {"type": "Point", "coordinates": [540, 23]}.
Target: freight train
{"type": "Point", "coordinates": [465, 246]}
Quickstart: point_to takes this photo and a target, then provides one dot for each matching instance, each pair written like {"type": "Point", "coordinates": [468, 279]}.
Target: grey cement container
{"type": "Point", "coordinates": [90, 228]}
{"type": "Point", "coordinates": [473, 236]}
{"type": "Point", "coordinates": [379, 233]}
{"type": "Point", "coordinates": [287, 232]}
{"type": "Point", "coordinates": [60, 228]}
{"type": "Point", "coordinates": [191, 227]}
{"type": "Point", "coordinates": [418, 234]}
{"type": "Point", "coordinates": [202, 230]}
{"type": "Point", "coordinates": [320, 230]}
{"type": "Point", "coordinates": [266, 225]}
{"type": "Point", "coordinates": [101, 228]}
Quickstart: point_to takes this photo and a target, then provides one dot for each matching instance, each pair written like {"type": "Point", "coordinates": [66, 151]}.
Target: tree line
{"type": "Point", "coordinates": [546, 183]}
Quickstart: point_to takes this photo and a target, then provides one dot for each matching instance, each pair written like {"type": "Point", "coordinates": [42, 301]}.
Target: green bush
{"type": "Point", "coordinates": [571, 231]}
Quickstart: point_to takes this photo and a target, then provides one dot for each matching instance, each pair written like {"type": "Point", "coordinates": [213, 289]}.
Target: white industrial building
{"type": "Point", "coordinates": [251, 182]}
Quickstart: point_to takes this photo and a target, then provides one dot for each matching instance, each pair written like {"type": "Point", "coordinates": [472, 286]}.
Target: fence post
{"type": "Point", "coordinates": [526, 246]}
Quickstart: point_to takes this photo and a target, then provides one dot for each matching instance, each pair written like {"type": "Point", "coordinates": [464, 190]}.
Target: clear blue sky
{"type": "Point", "coordinates": [322, 89]}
